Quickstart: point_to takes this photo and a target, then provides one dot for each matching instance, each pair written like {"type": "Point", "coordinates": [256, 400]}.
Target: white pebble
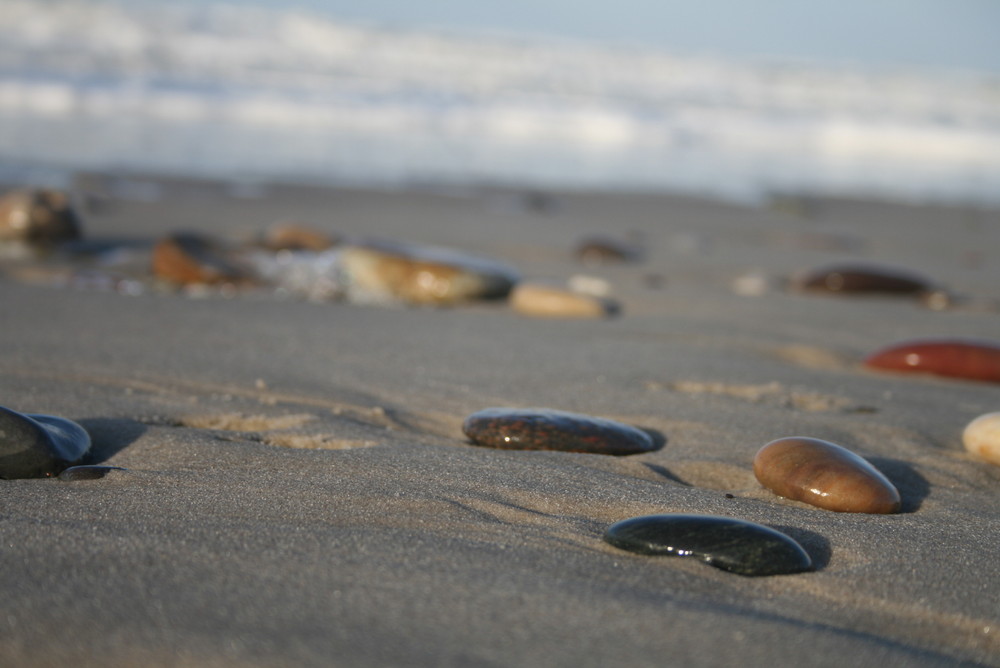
{"type": "Point", "coordinates": [982, 437]}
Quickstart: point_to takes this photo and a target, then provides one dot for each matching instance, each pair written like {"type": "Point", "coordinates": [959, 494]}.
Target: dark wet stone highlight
{"type": "Point", "coordinates": [89, 472]}
{"type": "Point", "coordinates": [726, 543]}
{"type": "Point", "coordinates": [545, 429]}
{"type": "Point", "coordinates": [37, 446]}
{"type": "Point", "coordinates": [954, 358]}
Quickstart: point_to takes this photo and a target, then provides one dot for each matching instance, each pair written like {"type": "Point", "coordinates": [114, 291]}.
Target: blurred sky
{"type": "Point", "coordinates": [949, 34]}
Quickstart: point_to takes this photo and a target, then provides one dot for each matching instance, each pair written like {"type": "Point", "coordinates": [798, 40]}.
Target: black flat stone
{"type": "Point", "coordinates": [733, 545]}
{"type": "Point", "coordinates": [545, 429]}
{"type": "Point", "coordinates": [38, 446]}
{"type": "Point", "coordinates": [89, 472]}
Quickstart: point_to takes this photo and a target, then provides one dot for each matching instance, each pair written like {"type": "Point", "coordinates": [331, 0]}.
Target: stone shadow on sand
{"type": "Point", "coordinates": [666, 473]}
{"type": "Point", "coordinates": [109, 436]}
{"type": "Point", "coordinates": [913, 487]}
{"type": "Point", "coordinates": [815, 544]}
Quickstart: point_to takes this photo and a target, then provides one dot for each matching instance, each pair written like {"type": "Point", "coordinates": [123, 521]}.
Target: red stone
{"type": "Point", "coordinates": [955, 358]}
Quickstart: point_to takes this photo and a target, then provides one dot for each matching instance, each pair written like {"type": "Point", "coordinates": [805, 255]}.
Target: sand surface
{"type": "Point", "coordinates": [298, 490]}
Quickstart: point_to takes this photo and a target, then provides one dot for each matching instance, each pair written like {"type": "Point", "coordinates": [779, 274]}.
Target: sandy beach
{"type": "Point", "coordinates": [298, 490]}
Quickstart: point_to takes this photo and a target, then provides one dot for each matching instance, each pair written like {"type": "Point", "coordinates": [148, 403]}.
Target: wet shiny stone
{"type": "Point", "coordinates": [546, 429]}
{"type": "Point", "coordinates": [733, 545]}
{"type": "Point", "coordinates": [824, 475]}
{"type": "Point", "coordinates": [955, 358]}
{"type": "Point", "coordinates": [37, 446]}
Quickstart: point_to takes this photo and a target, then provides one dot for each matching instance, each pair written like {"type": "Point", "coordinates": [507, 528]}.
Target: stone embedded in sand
{"type": "Point", "coordinates": [545, 429]}
{"type": "Point", "coordinates": [955, 358]}
{"type": "Point", "coordinates": [604, 250]}
{"type": "Point", "coordinates": [37, 446]}
{"type": "Point", "coordinates": [726, 543]}
{"type": "Point", "coordinates": [825, 475]}
{"type": "Point", "coordinates": [386, 271]}
{"type": "Point", "coordinates": [864, 279]}
{"type": "Point", "coordinates": [38, 217]}
{"type": "Point", "coordinates": [982, 437]}
{"type": "Point", "coordinates": [89, 472]}
{"type": "Point", "coordinates": [546, 301]}
{"type": "Point", "coordinates": [186, 258]}
{"type": "Point", "coordinates": [296, 237]}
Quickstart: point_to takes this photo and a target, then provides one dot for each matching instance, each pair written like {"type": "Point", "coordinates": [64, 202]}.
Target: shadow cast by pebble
{"type": "Point", "coordinates": [815, 544]}
{"type": "Point", "coordinates": [666, 473]}
{"type": "Point", "coordinates": [913, 487]}
{"type": "Point", "coordinates": [109, 436]}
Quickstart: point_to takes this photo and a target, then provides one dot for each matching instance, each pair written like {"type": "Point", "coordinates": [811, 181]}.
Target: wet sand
{"type": "Point", "coordinates": [299, 492]}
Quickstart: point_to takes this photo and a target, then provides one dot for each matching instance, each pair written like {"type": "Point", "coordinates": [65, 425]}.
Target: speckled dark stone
{"type": "Point", "coordinates": [733, 545]}
{"type": "Point", "coordinates": [74, 473]}
{"type": "Point", "coordinates": [37, 446]}
{"type": "Point", "coordinates": [545, 429]}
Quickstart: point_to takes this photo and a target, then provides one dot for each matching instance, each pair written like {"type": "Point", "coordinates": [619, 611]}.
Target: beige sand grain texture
{"type": "Point", "coordinates": [299, 492]}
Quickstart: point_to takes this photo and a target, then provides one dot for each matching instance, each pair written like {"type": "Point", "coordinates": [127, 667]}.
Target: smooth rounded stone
{"type": "Point", "coordinates": [824, 475]}
{"type": "Point", "coordinates": [604, 250]}
{"type": "Point", "coordinates": [733, 545]}
{"type": "Point", "coordinates": [388, 271]}
{"type": "Point", "coordinates": [547, 301]}
{"type": "Point", "coordinates": [38, 217]}
{"type": "Point", "coordinates": [546, 429]}
{"type": "Point", "coordinates": [955, 358]}
{"type": "Point", "coordinates": [296, 237]}
{"type": "Point", "coordinates": [37, 446]}
{"type": "Point", "coordinates": [88, 472]}
{"type": "Point", "coordinates": [187, 258]}
{"type": "Point", "coordinates": [982, 437]}
{"type": "Point", "coordinates": [864, 279]}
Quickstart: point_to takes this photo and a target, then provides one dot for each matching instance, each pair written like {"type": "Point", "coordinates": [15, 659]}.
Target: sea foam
{"type": "Point", "coordinates": [250, 94]}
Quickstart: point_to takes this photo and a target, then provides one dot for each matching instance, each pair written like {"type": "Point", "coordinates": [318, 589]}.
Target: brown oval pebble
{"type": "Point", "coordinates": [38, 217]}
{"type": "Point", "coordinates": [955, 358]}
{"type": "Point", "coordinates": [185, 258]}
{"type": "Point", "coordinates": [546, 429]}
{"type": "Point", "coordinates": [421, 274]}
{"type": "Point", "coordinates": [825, 475]}
{"type": "Point", "coordinates": [546, 301]}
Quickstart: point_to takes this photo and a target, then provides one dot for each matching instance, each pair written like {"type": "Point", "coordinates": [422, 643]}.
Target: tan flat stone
{"type": "Point", "coordinates": [547, 301]}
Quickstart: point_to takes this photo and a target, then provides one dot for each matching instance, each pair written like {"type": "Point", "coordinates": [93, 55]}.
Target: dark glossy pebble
{"type": "Point", "coordinates": [544, 429]}
{"type": "Point", "coordinates": [74, 473]}
{"type": "Point", "coordinates": [863, 279]}
{"type": "Point", "coordinates": [732, 545]}
{"type": "Point", "coordinates": [954, 358]}
{"type": "Point", "coordinates": [37, 446]}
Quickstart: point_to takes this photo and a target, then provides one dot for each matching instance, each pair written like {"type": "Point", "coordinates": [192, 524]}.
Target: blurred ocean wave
{"type": "Point", "coordinates": [250, 94]}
